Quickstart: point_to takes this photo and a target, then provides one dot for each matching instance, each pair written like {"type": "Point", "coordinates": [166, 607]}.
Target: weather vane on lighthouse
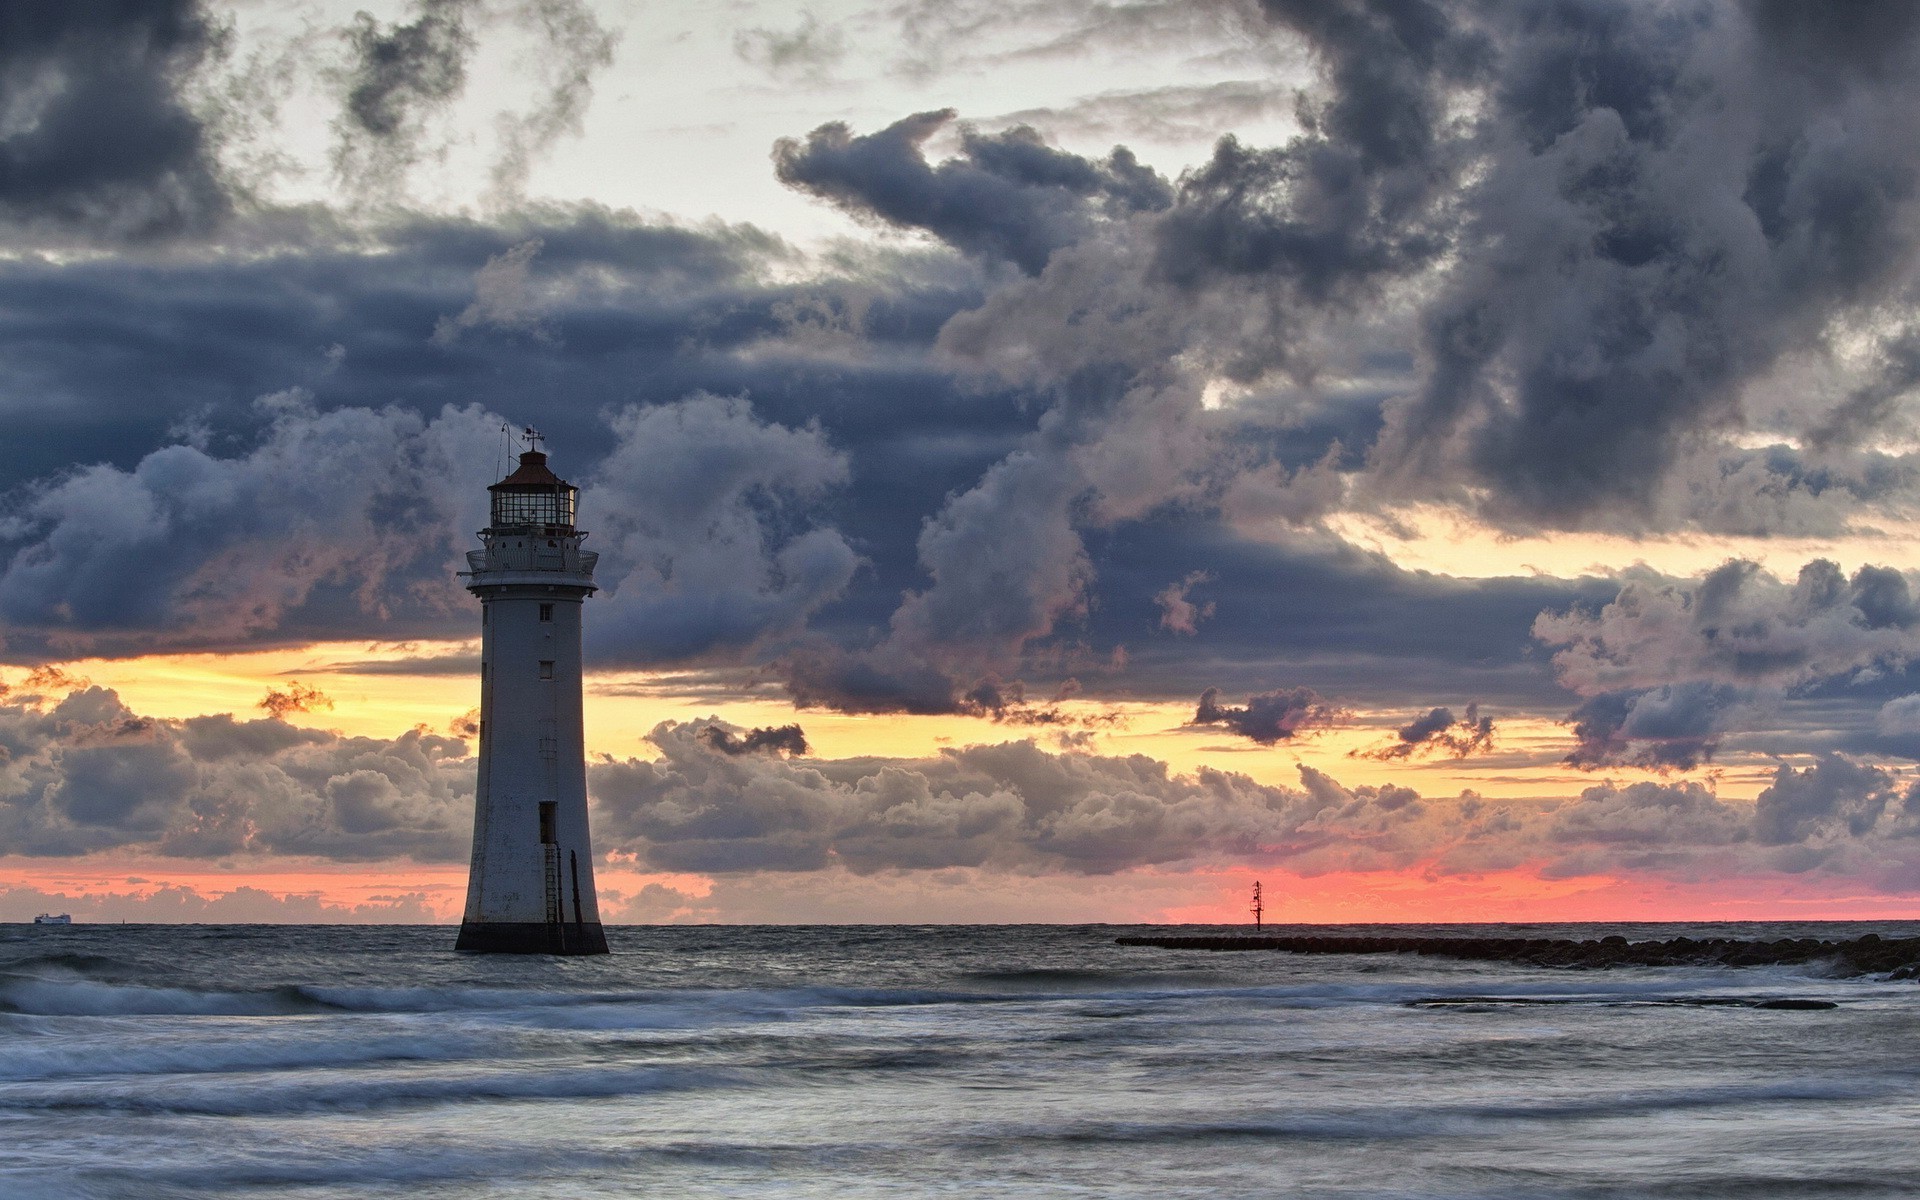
{"type": "Point", "coordinates": [530, 890]}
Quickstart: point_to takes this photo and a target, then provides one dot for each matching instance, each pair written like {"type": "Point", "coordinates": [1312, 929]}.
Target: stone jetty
{"type": "Point", "coordinates": [1896, 958]}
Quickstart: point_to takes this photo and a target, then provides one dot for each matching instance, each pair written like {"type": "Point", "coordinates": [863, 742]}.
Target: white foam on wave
{"type": "Point", "coordinates": [1397, 1122]}
{"type": "Point", "coordinates": [256, 1094]}
{"type": "Point", "coordinates": [305, 1048]}
{"type": "Point", "coordinates": [44, 996]}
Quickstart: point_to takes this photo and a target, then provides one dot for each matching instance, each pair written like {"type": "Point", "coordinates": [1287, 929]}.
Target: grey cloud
{"type": "Point", "coordinates": [945, 36]}
{"type": "Point", "coordinates": [1172, 113]}
{"type": "Point", "coordinates": [1737, 626]}
{"type": "Point", "coordinates": [1010, 806]}
{"type": "Point", "coordinates": [1006, 197]}
{"type": "Point", "coordinates": [807, 52]}
{"type": "Point", "coordinates": [397, 76]}
{"type": "Point", "coordinates": [240, 905]}
{"type": "Point", "coordinates": [1834, 798]}
{"type": "Point", "coordinates": [1016, 808]}
{"type": "Point", "coordinates": [95, 133]}
{"type": "Point", "coordinates": [88, 774]}
{"type": "Point", "coordinates": [1899, 716]}
{"type": "Point", "coordinates": [701, 513]}
{"type": "Point", "coordinates": [1178, 613]}
{"type": "Point", "coordinates": [1005, 565]}
{"type": "Point", "coordinates": [1661, 816]}
{"type": "Point", "coordinates": [1873, 405]}
{"type": "Point", "coordinates": [1667, 668]}
{"type": "Point", "coordinates": [360, 518]}
{"type": "Point", "coordinates": [573, 48]}
{"type": "Point", "coordinates": [1362, 196]}
{"type": "Point", "coordinates": [354, 509]}
{"type": "Point", "coordinates": [504, 297]}
{"type": "Point", "coordinates": [1271, 717]}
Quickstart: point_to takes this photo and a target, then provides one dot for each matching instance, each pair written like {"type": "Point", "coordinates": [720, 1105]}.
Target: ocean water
{"type": "Point", "coordinates": [150, 1061]}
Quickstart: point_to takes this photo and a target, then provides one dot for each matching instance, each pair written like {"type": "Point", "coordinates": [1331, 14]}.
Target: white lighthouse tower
{"type": "Point", "coordinates": [531, 887]}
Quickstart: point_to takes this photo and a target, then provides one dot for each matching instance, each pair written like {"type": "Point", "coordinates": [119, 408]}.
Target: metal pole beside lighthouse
{"type": "Point", "coordinates": [531, 887]}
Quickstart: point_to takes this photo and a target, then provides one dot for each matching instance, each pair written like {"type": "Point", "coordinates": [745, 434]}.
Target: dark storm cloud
{"type": "Point", "coordinates": [296, 698]}
{"type": "Point", "coordinates": [1359, 197]}
{"type": "Point", "coordinates": [1271, 717]}
{"type": "Point", "coordinates": [1672, 727]}
{"type": "Point", "coordinates": [779, 739]}
{"type": "Point", "coordinates": [1438, 732]}
{"type": "Point", "coordinates": [1609, 226]}
{"type": "Point", "coordinates": [1672, 199]}
{"type": "Point", "coordinates": [88, 774]}
{"type": "Point", "coordinates": [1006, 197]}
{"type": "Point", "coordinates": [1322, 614]}
{"type": "Point", "coordinates": [328, 510]}
{"type": "Point", "coordinates": [95, 135]}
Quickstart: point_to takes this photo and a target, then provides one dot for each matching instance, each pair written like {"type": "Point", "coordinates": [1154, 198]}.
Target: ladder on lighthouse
{"type": "Point", "coordinates": [554, 915]}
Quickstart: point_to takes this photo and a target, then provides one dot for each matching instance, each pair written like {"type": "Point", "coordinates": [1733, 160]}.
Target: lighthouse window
{"type": "Point", "coordinates": [546, 668]}
{"type": "Point", "coordinates": [546, 612]}
{"type": "Point", "coordinates": [548, 811]}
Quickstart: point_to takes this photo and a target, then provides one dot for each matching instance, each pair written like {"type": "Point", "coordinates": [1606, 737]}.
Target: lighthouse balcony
{"type": "Point", "coordinates": [527, 553]}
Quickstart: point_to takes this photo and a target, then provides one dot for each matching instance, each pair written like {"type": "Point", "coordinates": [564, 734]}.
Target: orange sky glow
{"type": "Point", "coordinates": [621, 708]}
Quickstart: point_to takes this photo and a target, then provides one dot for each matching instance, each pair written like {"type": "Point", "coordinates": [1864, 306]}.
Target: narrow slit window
{"type": "Point", "coordinates": [549, 810]}
{"type": "Point", "coordinates": [546, 668]}
{"type": "Point", "coordinates": [546, 612]}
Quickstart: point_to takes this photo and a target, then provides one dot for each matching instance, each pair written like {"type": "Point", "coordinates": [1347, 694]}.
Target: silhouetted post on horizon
{"type": "Point", "coordinates": [1257, 908]}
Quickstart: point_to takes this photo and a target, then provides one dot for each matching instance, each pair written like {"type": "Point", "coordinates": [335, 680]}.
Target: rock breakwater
{"type": "Point", "coordinates": [1896, 958]}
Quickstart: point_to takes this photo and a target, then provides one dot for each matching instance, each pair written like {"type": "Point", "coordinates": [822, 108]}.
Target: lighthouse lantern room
{"type": "Point", "coordinates": [530, 890]}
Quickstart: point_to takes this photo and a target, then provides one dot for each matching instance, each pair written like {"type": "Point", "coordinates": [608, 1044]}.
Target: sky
{"type": "Point", "coordinates": [1049, 461]}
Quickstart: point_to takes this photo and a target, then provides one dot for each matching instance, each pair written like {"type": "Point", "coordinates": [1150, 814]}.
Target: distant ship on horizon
{"type": "Point", "coordinates": [54, 919]}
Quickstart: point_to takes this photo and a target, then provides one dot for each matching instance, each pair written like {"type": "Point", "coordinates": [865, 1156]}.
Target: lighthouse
{"type": "Point", "coordinates": [530, 890]}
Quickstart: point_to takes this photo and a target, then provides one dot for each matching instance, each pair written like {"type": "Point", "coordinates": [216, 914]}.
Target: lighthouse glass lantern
{"type": "Point", "coordinates": [533, 499]}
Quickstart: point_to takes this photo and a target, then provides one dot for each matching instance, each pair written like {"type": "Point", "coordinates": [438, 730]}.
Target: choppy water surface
{"type": "Point", "coordinates": [141, 1061]}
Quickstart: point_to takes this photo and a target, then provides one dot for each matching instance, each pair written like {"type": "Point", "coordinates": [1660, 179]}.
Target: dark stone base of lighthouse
{"type": "Point", "coordinates": [531, 937]}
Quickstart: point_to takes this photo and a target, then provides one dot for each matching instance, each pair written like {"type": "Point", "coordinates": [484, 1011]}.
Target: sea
{"type": "Point", "coordinates": [937, 1061]}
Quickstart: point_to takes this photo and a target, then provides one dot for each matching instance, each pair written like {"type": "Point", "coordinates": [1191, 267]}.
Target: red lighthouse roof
{"type": "Point", "coordinates": [532, 474]}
